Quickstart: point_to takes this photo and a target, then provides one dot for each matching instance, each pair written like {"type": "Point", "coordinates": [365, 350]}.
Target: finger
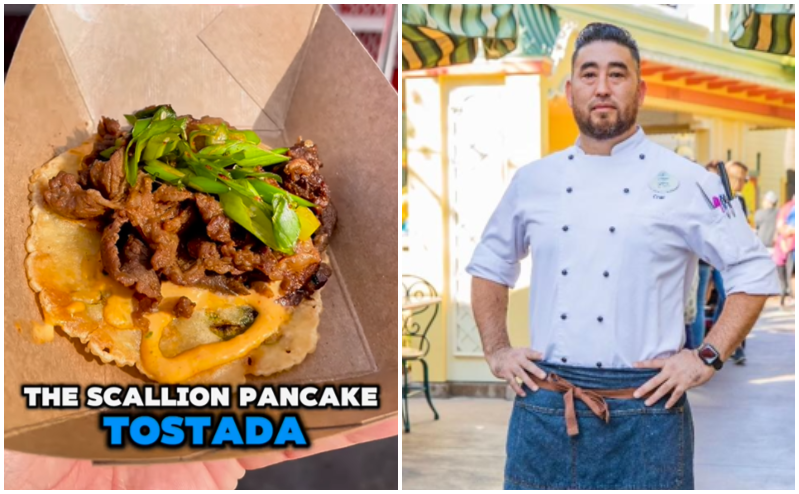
{"type": "Point", "coordinates": [514, 385]}
{"type": "Point", "coordinates": [532, 354]}
{"type": "Point", "coordinates": [659, 393]}
{"type": "Point", "coordinates": [320, 446]}
{"type": "Point", "coordinates": [525, 377]}
{"type": "Point", "coordinates": [225, 473]}
{"type": "Point", "coordinates": [534, 369]}
{"type": "Point", "coordinates": [261, 461]}
{"type": "Point", "coordinates": [372, 432]}
{"type": "Point", "coordinates": [650, 385]}
{"type": "Point", "coordinates": [27, 471]}
{"type": "Point", "coordinates": [651, 364]}
{"type": "Point", "coordinates": [675, 396]}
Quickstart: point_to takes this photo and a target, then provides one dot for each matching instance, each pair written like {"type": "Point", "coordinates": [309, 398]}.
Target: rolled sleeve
{"type": "Point", "coordinates": [755, 276]}
{"type": "Point", "coordinates": [729, 244]}
{"type": "Point", "coordinates": [503, 244]}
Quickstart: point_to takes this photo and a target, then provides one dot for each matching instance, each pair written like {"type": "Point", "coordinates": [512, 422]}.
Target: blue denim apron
{"type": "Point", "coordinates": [640, 447]}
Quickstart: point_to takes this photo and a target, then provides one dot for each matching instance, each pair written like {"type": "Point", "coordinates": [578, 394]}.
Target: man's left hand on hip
{"type": "Point", "coordinates": [679, 373]}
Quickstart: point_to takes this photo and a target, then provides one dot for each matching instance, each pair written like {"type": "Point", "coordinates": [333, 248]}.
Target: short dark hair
{"type": "Point", "coordinates": [599, 31]}
{"type": "Point", "coordinates": [738, 163]}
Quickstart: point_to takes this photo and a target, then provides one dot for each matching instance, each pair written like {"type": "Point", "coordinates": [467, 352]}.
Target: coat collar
{"type": "Point", "coordinates": [625, 146]}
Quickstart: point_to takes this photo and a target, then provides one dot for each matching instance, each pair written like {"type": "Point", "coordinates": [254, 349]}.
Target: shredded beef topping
{"type": "Point", "coordinates": [136, 263]}
{"type": "Point", "coordinates": [109, 135]}
{"type": "Point", "coordinates": [132, 269]}
{"type": "Point", "coordinates": [154, 232]}
{"type": "Point", "coordinates": [184, 307]}
{"type": "Point", "coordinates": [306, 150]}
{"type": "Point", "coordinates": [262, 288]}
{"type": "Point", "coordinates": [328, 221]}
{"type": "Point", "coordinates": [109, 176]}
{"type": "Point", "coordinates": [66, 197]}
{"type": "Point", "coordinates": [301, 175]}
{"type": "Point", "coordinates": [313, 283]}
{"type": "Point", "coordinates": [108, 131]}
{"type": "Point", "coordinates": [218, 225]}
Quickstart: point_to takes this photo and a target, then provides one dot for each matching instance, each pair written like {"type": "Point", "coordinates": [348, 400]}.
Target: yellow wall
{"type": "Point", "coordinates": [776, 156]}
{"type": "Point", "coordinates": [427, 197]}
{"type": "Point", "coordinates": [563, 130]}
{"type": "Point", "coordinates": [519, 316]}
{"type": "Point", "coordinates": [524, 117]}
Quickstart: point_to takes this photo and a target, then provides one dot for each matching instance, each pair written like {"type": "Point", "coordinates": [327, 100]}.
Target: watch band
{"type": "Point", "coordinates": [710, 356]}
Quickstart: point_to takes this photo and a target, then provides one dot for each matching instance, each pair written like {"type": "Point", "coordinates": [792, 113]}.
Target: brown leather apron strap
{"type": "Point", "coordinates": [593, 398]}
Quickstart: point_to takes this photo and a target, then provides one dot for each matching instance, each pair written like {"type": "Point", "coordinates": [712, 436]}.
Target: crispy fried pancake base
{"type": "Point", "coordinates": [65, 270]}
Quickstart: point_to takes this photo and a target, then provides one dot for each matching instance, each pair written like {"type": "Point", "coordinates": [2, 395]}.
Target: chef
{"type": "Point", "coordinates": [614, 225]}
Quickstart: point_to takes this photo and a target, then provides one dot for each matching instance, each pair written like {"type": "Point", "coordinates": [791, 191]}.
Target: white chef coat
{"type": "Point", "coordinates": [613, 242]}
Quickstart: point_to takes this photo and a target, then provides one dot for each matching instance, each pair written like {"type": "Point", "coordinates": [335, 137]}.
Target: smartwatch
{"type": "Point", "coordinates": [710, 356]}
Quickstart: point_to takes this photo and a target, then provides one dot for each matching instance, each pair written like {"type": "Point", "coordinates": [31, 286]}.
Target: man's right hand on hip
{"type": "Point", "coordinates": [512, 363]}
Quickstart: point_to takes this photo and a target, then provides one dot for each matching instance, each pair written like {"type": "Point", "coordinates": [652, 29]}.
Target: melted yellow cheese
{"type": "Point", "coordinates": [76, 307]}
{"type": "Point", "coordinates": [118, 311]}
{"type": "Point", "coordinates": [271, 316]}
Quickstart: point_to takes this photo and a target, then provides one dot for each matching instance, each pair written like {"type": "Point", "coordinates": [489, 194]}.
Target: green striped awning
{"type": "Point", "coordinates": [763, 27]}
{"type": "Point", "coordinates": [442, 35]}
{"type": "Point", "coordinates": [540, 28]}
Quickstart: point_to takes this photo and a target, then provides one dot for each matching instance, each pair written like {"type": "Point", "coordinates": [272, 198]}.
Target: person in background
{"type": "Point", "coordinates": [766, 219]}
{"type": "Point", "coordinates": [718, 282]}
{"type": "Point", "coordinates": [791, 260]}
{"type": "Point", "coordinates": [692, 341]}
{"type": "Point", "coordinates": [739, 175]}
{"type": "Point", "coordinates": [784, 246]}
{"type": "Point", "coordinates": [705, 270]}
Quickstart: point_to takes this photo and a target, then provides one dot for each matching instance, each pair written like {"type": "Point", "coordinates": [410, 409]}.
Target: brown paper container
{"type": "Point", "coordinates": [283, 71]}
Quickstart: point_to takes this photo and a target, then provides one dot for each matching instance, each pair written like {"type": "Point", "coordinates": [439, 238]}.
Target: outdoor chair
{"type": "Point", "coordinates": [415, 325]}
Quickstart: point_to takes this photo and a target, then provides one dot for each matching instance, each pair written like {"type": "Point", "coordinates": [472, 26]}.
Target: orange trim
{"type": "Point", "coordinates": [722, 83]}
{"type": "Point", "coordinates": [740, 88]}
{"type": "Point", "coordinates": [762, 91]}
{"type": "Point", "coordinates": [693, 81]}
{"type": "Point", "coordinates": [717, 101]}
{"type": "Point", "coordinates": [653, 69]}
{"type": "Point", "coordinates": [671, 76]}
{"type": "Point", "coordinates": [778, 95]}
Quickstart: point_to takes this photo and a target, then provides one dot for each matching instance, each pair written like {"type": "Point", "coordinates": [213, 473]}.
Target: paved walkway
{"type": "Point", "coordinates": [744, 421]}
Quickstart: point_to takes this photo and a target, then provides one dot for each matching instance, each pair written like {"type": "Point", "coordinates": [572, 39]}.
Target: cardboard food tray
{"type": "Point", "coordinates": [283, 71]}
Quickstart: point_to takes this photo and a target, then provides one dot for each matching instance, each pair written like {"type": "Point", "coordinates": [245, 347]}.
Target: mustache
{"type": "Point", "coordinates": [603, 103]}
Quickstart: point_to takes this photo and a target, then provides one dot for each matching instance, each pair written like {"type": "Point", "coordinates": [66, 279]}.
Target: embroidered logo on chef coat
{"type": "Point", "coordinates": [664, 183]}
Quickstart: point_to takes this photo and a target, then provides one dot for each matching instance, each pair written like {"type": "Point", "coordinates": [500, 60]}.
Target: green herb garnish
{"type": "Point", "coordinates": [215, 159]}
{"type": "Point", "coordinates": [286, 222]}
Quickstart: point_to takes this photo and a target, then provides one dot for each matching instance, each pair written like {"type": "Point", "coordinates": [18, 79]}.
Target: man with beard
{"type": "Point", "coordinates": [615, 224]}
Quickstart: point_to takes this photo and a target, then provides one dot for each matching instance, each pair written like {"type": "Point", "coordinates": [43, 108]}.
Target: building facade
{"type": "Point", "coordinates": [468, 128]}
